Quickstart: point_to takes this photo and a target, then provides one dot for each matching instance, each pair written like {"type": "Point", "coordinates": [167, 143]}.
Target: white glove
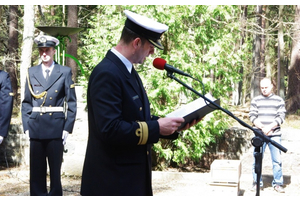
{"type": "Point", "coordinates": [27, 134]}
{"type": "Point", "coordinates": [1, 139]}
{"type": "Point", "coordinates": [65, 136]}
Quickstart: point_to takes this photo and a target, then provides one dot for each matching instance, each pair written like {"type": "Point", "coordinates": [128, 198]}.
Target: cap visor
{"type": "Point", "coordinates": [156, 44]}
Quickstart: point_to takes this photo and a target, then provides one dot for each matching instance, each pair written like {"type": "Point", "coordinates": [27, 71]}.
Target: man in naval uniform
{"type": "Point", "coordinates": [48, 115]}
{"type": "Point", "coordinates": [121, 128]}
{"type": "Point", "coordinates": [6, 104]}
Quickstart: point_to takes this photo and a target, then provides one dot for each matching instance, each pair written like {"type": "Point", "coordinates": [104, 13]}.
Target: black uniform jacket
{"type": "Point", "coordinates": [6, 103]}
{"type": "Point", "coordinates": [60, 88]}
{"type": "Point", "coordinates": [115, 164]}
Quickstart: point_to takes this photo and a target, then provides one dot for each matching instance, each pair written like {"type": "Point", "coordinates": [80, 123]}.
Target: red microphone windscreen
{"type": "Point", "coordinates": [159, 63]}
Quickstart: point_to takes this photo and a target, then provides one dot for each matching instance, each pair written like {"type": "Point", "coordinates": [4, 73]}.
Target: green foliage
{"type": "Point", "coordinates": [50, 15]}
{"type": "Point", "coordinates": [192, 144]}
{"type": "Point", "coordinates": [200, 38]}
{"type": "Point", "coordinates": [104, 31]}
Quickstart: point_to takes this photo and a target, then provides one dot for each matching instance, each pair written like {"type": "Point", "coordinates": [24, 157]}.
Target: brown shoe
{"type": "Point", "coordinates": [279, 188]}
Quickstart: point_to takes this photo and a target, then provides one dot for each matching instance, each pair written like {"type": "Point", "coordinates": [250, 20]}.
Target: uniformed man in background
{"type": "Point", "coordinates": [121, 128]}
{"type": "Point", "coordinates": [48, 115]}
{"type": "Point", "coordinates": [6, 104]}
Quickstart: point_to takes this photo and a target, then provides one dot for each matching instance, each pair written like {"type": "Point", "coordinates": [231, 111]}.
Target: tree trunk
{"type": "Point", "coordinates": [255, 89]}
{"type": "Point", "coordinates": [280, 69]}
{"type": "Point", "coordinates": [72, 46]}
{"type": "Point", "coordinates": [27, 44]}
{"type": "Point", "coordinates": [293, 95]}
{"type": "Point", "coordinates": [268, 56]}
{"type": "Point", "coordinates": [263, 43]}
{"type": "Point", "coordinates": [241, 94]}
{"type": "Point", "coordinates": [11, 62]}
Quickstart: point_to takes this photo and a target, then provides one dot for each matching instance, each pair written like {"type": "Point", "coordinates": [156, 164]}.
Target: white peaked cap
{"type": "Point", "coordinates": [46, 41]}
{"type": "Point", "coordinates": [146, 27]}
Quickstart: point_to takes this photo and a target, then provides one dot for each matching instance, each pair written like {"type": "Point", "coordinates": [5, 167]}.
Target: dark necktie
{"type": "Point", "coordinates": [47, 74]}
{"type": "Point", "coordinates": [135, 76]}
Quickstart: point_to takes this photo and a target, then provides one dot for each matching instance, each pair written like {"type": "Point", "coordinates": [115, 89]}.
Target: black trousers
{"type": "Point", "coordinates": [42, 151]}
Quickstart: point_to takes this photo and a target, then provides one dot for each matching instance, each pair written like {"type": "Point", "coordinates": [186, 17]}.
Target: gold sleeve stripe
{"type": "Point", "coordinates": [142, 132]}
{"type": "Point", "coordinates": [72, 86]}
{"type": "Point", "coordinates": [11, 94]}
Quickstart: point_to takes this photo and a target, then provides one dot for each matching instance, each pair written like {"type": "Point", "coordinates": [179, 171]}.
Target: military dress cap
{"type": "Point", "coordinates": [46, 41]}
{"type": "Point", "coordinates": [145, 27]}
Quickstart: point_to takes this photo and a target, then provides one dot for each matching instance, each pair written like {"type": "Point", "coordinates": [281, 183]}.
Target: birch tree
{"type": "Point", "coordinates": [28, 35]}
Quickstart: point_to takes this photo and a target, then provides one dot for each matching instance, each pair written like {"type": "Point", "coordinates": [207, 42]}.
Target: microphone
{"type": "Point", "coordinates": [161, 64]}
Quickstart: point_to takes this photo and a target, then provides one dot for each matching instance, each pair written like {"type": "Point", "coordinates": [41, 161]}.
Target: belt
{"type": "Point", "coordinates": [47, 109]}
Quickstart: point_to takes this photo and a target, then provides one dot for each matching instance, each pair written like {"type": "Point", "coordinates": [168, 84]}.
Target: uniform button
{"type": "Point", "coordinates": [56, 91]}
{"type": "Point", "coordinates": [41, 113]}
{"type": "Point", "coordinates": [50, 98]}
{"type": "Point", "coordinates": [141, 108]}
{"type": "Point", "coordinates": [147, 152]}
{"type": "Point", "coordinates": [50, 114]}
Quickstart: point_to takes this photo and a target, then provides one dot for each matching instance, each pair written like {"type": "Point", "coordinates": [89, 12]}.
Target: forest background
{"type": "Point", "coordinates": [229, 48]}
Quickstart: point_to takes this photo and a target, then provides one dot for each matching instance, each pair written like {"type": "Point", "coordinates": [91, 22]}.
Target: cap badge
{"type": "Point", "coordinates": [43, 40]}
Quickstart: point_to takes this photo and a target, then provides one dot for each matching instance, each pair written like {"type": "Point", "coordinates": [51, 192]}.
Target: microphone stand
{"type": "Point", "coordinates": [257, 141]}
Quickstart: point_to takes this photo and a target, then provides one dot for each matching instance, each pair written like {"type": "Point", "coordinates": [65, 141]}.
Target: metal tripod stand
{"type": "Point", "coordinates": [257, 142]}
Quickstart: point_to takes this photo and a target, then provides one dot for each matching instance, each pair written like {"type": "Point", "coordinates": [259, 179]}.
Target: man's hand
{"type": "Point", "coordinates": [187, 126]}
{"type": "Point", "coordinates": [258, 124]}
{"type": "Point", "coordinates": [65, 136]}
{"type": "Point", "coordinates": [1, 139]}
{"type": "Point", "coordinates": [27, 134]}
{"type": "Point", "coordinates": [268, 130]}
{"type": "Point", "coordinates": [169, 125]}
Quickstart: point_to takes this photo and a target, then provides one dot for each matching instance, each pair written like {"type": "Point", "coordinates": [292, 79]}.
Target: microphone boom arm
{"type": "Point", "coordinates": [256, 132]}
